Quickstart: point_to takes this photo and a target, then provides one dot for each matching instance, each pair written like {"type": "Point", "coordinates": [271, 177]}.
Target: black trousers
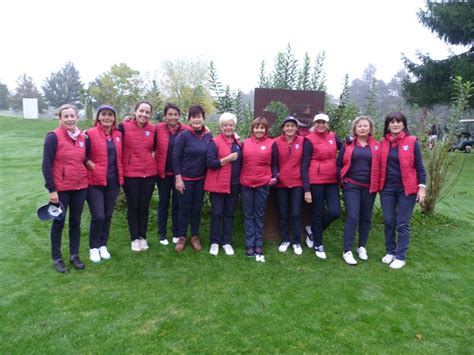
{"type": "Point", "coordinates": [138, 192]}
{"type": "Point", "coordinates": [74, 200]}
{"type": "Point", "coordinates": [101, 201]}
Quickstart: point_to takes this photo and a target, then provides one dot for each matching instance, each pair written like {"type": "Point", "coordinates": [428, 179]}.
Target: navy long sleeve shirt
{"type": "Point", "coordinates": [189, 154]}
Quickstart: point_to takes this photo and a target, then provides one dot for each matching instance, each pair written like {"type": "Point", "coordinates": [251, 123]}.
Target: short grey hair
{"type": "Point", "coordinates": [226, 117]}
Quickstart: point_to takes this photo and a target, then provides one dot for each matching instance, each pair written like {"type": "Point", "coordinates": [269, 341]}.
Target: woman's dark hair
{"type": "Point", "coordinates": [397, 116]}
{"type": "Point", "coordinates": [196, 110]}
{"type": "Point", "coordinates": [144, 102]}
{"type": "Point", "coordinates": [260, 121]}
{"type": "Point", "coordinates": [173, 106]}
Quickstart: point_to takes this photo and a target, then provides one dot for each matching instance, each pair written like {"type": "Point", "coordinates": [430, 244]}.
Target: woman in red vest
{"type": "Point", "coordinates": [358, 166]}
{"type": "Point", "coordinates": [66, 180]}
{"type": "Point", "coordinates": [224, 158]}
{"type": "Point", "coordinates": [320, 183]}
{"type": "Point", "coordinates": [288, 153]}
{"type": "Point", "coordinates": [104, 161]}
{"type": "Point", "coordinates": [139, 171]}
{"type": "Point", "coordinates": [166, 133]}
{"type": "Point", "coordinates": [402, 183]}
{"type": "Point", "coordinates": [256, 177]}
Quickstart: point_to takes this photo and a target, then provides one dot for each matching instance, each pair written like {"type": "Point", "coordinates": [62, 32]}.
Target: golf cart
{"type": "Point", "coordinates": [465, 134]}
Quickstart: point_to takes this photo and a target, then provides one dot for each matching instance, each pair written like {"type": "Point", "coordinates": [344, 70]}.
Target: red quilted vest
{"type": "Point", "coordinates": [162, 140]}
{"type": "Point", "coordinates": [218, 180]}
{"type": "Point", "coordinates": [98, 154]}
{"type": "Point", "coordinates": [138, 160]}
{"type": "Point", "coordinates": [375, 165]}
{"type": "Point", "coordinates": [322, 168]}
{"type": "Point", "coordinates": [256, 162]}
{"type": "Point", "coordinates": [69, 171]}
{"type": "Point", "coordinates": [406, 155]}
{"type": "Point", "coordinates": [289, 165]}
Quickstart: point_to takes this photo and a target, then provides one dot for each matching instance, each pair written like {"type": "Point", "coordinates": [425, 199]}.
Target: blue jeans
{"type": "Point", "coordinates": [359, 204]}
{"type": "Point", "coordinates": [289, 205]}
{"type": "Point", "coordinates": [75, 201]}
{"type": "Point", "coordinates": [190, 203]}
{"type": "Point", "coordinates": [254, 201]}
{"type": "Point", "coordinates": [326, 208]}
{"type": "Point", "coordinates": [167, 190]}
{"type": "Point", "coordinates": [397, 210]}
{"type": "Point", "coordinates": [222, 215]}
{"type": "Point", "coordinates": [101, 201]}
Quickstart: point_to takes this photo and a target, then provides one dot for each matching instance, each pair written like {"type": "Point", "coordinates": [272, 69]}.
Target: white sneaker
{"type": "Point", "coordinates": [284, 246]}
{"type": "Point", "coordinates": [104, 253]}
{"type": "Point", "coordinates": [297, 249]}
{"type": "Point", "coordinates": [214, 249]}
{"type": "Point", "coordinates": [349, 259]}
{"type": "Point", "coordinates": [143, 244]}
{"type": "Point", "coordinates": [362, 252]}
{"type": "Point", "coordinates": [175, 240]}
{"type": "Point", "coordinates": [228, 249]}
{"type": "Point", "coordinates": [320, 253]}
{"type": "Point", "coordinates": [260, 258]}
{"type": "Point", "coordinates": [388, 258]}
{"type": "Point", "coordinates": [309, 237]}
{"type": "Point", "coordinates": [94, 255]}
{"type": "Point", "coordinates": [397, 264]}
{"type": "Point", "coordinates": [136, 245]}
{"type": "Point", "coordinates": [164, 241]}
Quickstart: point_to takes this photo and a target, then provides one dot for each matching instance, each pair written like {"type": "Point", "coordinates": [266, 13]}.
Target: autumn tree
{"type": "Point", "coordinates": [4, 97]}
{"type": "Point", "coordinates": [121, 87]}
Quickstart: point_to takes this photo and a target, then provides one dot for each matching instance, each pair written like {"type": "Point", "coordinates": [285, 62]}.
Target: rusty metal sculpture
{"type": "Point", "coordinates": [301, 104]}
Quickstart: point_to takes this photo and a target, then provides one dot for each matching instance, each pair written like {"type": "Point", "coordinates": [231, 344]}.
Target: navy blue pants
{"type": "Point", "coordinates": [190, 204]}
{"type": "Point", "coordinates": [397, 210]}
{"type": "Point", "coordinates": [101, 201]}
{"type": "Point", "coordinates": [75, 201]}
{"type": "Point", "coordinates": [138, 192]}
{"type": "Point", "coordinates": [359, 204]}
{"type": "Point", "coordinates": [222, 215]}
{"type": "Point", "coordinates": [289, 205]}
{"type": "Point", "coordinates": [254, 202]}
{"type": "Point", "coordinates": [326, 208]}
{"type": "Point", "coordinates": [167, 191]}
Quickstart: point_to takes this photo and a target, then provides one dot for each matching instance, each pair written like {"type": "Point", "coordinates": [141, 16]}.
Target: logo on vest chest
{"type": "Point", "coordinates": [405, 147]}
{"type": "Point", "coordinates": [297, 146]}
{"type": "Point", "coordinates": [117, 139]}
{"type": "Point", "coordinates": [263, 147]}
{"type": "Point", "coordinates": [331, 141]}
{"type": "Point", "coordinates": [81, 144]}
{"type": "Point", "coordinates": [376, 147]}
{"type": "Point", "coordinates": [147, 133]}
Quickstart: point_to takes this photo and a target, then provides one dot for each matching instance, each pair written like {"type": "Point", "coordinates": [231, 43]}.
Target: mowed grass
{"type": "Point", "coordinates": [158, 301]}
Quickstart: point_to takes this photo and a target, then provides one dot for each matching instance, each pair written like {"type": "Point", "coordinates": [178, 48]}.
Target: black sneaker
{"type": "Point", "coordinates": [60, 266]}
{"type": "Point", "coordinates": [76, 262]}
{"type": "Point", "coordinates": [250, 252]}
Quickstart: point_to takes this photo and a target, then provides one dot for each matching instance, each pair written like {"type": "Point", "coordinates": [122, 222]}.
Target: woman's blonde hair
{"type": "Point", "coordinates": [65, 107]}
{"type": "Point", "coordinates": [362, 118]}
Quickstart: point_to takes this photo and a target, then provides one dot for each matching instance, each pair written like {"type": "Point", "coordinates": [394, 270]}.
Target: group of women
{"type": "Point", "coordinates": [184, 161]}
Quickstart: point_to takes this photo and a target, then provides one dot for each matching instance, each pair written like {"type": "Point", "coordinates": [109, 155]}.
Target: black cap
{"type": "Point", "coordinates": [51, 211]}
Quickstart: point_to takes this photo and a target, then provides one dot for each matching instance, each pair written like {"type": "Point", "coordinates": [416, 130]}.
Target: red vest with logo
{"type": "Point", "coordinates": [256, 162]}
{"type": "Point", "coordinates": [375, 165]}
{"type": "Point", "coordinates": [161, 150]}
{"type": "Point", "coordinates": [218, 180]}
{"type": "Point", "coordinates": [289, 164]}
{"type": "Point", "coordinates": [322, 168]}
{"type": "Point", "coordinates": [406, 156]}
{"type": "Point", "coordinates": [138, 160]}
{"type": "Point", "coordinates": [69, 171]}
{"type": "Point", "coordinates": [98, 154]}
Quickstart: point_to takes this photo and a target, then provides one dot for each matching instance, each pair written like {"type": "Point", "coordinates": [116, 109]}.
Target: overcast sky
{"type": "Point", "coordinates": [40, 36]}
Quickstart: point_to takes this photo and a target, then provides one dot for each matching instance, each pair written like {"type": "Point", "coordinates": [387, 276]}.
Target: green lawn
{"type": "Point", "coordinates": [158, 301]}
